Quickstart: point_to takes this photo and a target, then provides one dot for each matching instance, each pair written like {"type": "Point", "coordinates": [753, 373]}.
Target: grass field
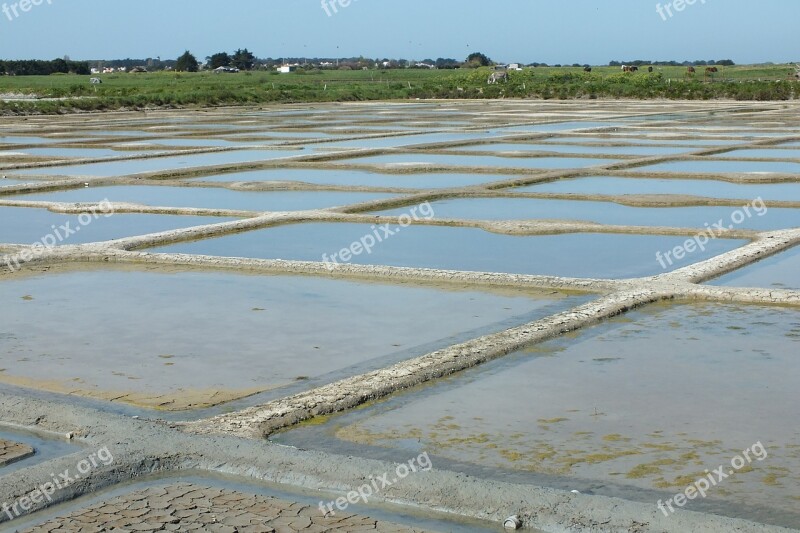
{"type": "Point", "coordinates": [170, 89]}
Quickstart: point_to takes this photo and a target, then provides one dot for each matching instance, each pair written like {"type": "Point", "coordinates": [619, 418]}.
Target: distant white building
{"type": "Point", "coordinates": [514, 66]}
{"type": "Point", "coordinates": [286, 69]}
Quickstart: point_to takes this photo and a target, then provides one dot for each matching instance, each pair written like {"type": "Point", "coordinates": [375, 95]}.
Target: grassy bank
{"type": "Point", "coordinates": [169, 89]}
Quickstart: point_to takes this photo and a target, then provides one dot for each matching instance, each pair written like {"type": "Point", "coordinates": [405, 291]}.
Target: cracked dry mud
{"type": "Point", "coordinates": [189, 507]}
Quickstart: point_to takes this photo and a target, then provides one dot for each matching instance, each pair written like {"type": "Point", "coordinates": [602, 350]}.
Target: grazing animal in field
{"type": "Point", "coordinates": [95, 81]}
{"type": "Point", "coordinates": [587, 69]}
{"type": "Point", "coordinates": [690, 70]}
{"type": "Point", "coordinates": [649, 69]}
{"type": "Point", "coordinates": [497, 77]}
{"type": "Point", "coordinates": [626, 68]}
{"type": "Point", "coordinates": [711, 70]}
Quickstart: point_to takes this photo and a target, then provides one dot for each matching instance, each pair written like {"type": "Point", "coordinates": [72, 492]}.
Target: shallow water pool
{"type": "Point", "coordinates": [722, 167]}
{"type": "Point", "coordinates": [781, 271]}
{"type": "Point", "coordinates": [456, 248]}
{"type": "Point", "coordinates": [610, 213]}
{"type": "Point", "coordinates": [211, 198]}
{"type": "Point", "coordinates": [709, 188]}
{"type": "Point", "coordinates": [476, 161]}
{"type": "Point", "coordinates": [361, 178]}
{"type": "Point", "coordinates": [24, 225]}
{"type": "Point", "coordinates": [135, 166]}
{"type": "Point", "coordinates": [571, 411]}
{"type": "Point", "coordinates": [270, 331]}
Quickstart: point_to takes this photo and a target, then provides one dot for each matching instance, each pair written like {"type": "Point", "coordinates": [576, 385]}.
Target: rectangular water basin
{"type": "Point", "coordinates": [725, 167]}
{"type": "Point", "coordinates": [762, 153]}
{"type": "Point", "coordinates": [174, 339]}
{"type": "Point", "coordinates": [211, 198]}
{"type": "Point", "coordinates": [458, 248]}
{"type": "Point", "coordinates": [610, 213]}
{"type": "Point", "coordinates": [361, 178]}
{"type": "Point", "coordinates": [156, 164]}
{"type": "Point", "coordinates": [574, 149]}
{"type": "Point", "coordinates": [428, 159]}
{"type": "Point", "coordinates": [24, 225]}
{"type": "Point", "coordinates": [581, 412]}
{"type": "Point", "coordinates": [780, 271]}
{"type": "Point", "coordinates": [709, 188]}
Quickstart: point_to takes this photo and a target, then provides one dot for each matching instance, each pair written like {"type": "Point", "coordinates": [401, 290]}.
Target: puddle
{"type": "Point", "coordinates": [270, 331]}
{"type": "Point", "coordinates": [75, 152]}
{"type": "Point", "coordinates": [402, 140]}
{"type": "Point", "coordinates": [212, 198]}
{"type": "Point", "coordinates": [119, 133]}
{"type": "Point", "coordinates": [374, 128]}
{"type": "Point", "coordinates": [45, 449]}
{"type": "Point", "coordinates": [575, 149]}
{"type": "Point", "coordinates": [561, 126]}
{"type": "Point", "coordinates": [628, 140]}
{"type": "Point", "coordinates": [8, 181]}
{"type": "Point", "coordinates": [31, 140]}
{"type": "Point", "coordinates": [609, 213]}
{"type": "Point", "coordinates": [135, 166]}
{"type": "Point", "coordinates": [193, 142]}
{"type": "Point", "coordinates": [476, 161]}
{"type": "Point", "coordinates": [360, 178]}
{"type": "Point", "coordinates": [722, 167]}
{"type": "Point", "coordinates": [454, 248]}
{"type": "Point", "coordinates": [780, 271]}
{"type": "Point", "coordinates": [763, 153]}
{"type": "Point", "coordinates": [270, 135]}
{"type": "Point", "coordinates": [28, 225]}
{"type": "Point", "coordinates": [572, 411]}
{"type": "Point", "coordinates": [709, 188]}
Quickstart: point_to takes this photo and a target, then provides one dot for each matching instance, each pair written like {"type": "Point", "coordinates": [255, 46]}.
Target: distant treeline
{"type": "Point", "coordinates": [65, 66]}
{"type": "Point", "coordinates": [36, 67]}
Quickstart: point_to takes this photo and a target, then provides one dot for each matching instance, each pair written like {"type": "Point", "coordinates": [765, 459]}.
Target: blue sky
{"type": "Point", "coordinates": [554, 31]}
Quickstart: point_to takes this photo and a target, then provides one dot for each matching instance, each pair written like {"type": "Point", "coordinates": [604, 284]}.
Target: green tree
{"type": "Point", "coordinates": [243, 59]}
{"type": "Point", "coordinates": [478, 60]}
{"type": "Point", "coordinates": [187, 63]}
{"type": "Point", "coordinates": [221, 59]}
